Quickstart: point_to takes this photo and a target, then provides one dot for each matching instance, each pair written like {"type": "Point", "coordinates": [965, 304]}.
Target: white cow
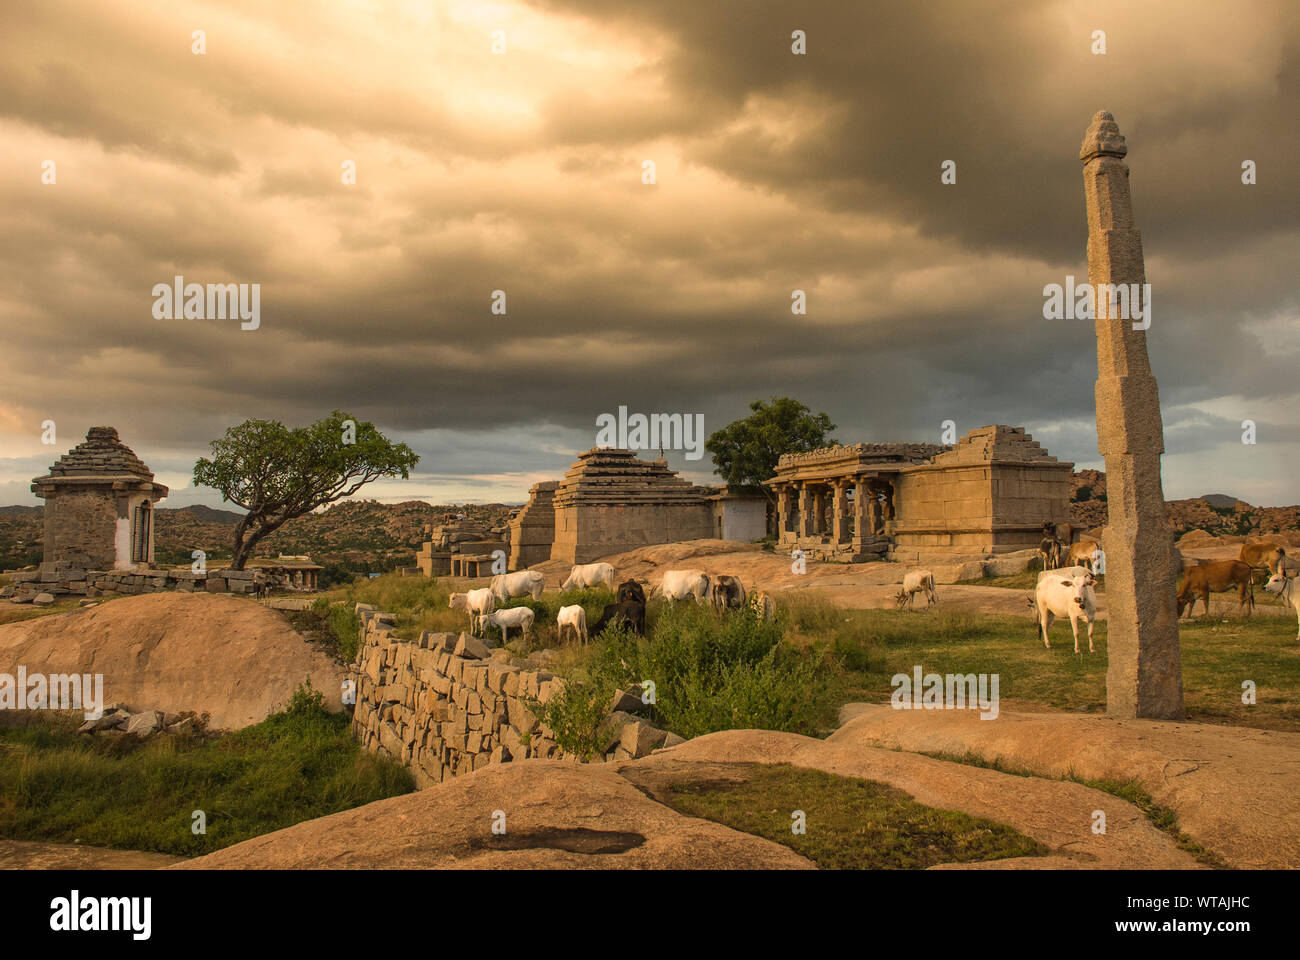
{"type": "Point", "coordinates": [520, 617]}
{"type": "Point", "coordinates": [1285, 588]}
{"type": "Point", "coordinates": [524, 583]}
{"type": "Point", "coordinates": [590, 575]}
{"type": "Point", "coordinates": [573, 616]}
{"type": "Point", "coordinates": [1059, 596]}
{"type": "Point", "coordinates": [684, 585]}
{"type": "Point", "coordinates": [478, 603]}
{"type": "Point", "coordinates": [914, 582]}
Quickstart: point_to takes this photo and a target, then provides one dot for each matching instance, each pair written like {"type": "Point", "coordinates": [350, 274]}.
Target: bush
{"type": "Point", "coordinates": [711, 672]}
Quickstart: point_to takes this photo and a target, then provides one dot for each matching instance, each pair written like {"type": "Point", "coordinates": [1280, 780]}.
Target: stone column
{"type": "Point", "coordinates": [782, 511]}
{"type": "Point", "coordinates": [1144, 675]}
{"type": "Point", "coordinates": [840, 510]}
{"type": "Point", "coordinates": [860, 495]}
{"type": "Point", "coordinates": [805, 511]}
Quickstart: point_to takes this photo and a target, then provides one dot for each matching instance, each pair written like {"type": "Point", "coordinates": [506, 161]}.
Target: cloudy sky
{"type": "Point", "coordinates": [522, 171]}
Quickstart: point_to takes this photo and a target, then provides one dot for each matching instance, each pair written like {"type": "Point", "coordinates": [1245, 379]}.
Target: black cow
{"type": "Point", "coordinates": [629, 610]}
{"type": "Point", "coordinates": [630, 591]}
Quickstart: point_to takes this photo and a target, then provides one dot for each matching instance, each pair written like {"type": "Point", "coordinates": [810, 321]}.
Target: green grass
{"type": "Point", "coordinates": [1217, 656]}
{"type": "Point", "coordinates": [711, 672]}
{"type": "Point", "coordinates": [851, 824]}
{"type": "Point", "coordinates": [118, 791]}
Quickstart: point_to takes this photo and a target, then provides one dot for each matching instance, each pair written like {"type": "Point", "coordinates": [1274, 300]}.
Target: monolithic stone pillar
{"type": "Point", "coordinates": [805, 511]}
{"type": "Point", "coordinates": [1144, 675]}
{"type": "Point", "coordinates": [819, 510]}
{"type": "Point", "coordinates": [873, 508]}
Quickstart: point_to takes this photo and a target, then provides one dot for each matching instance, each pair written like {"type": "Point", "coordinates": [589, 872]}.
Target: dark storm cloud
{"type": "Point", "coordinates": [522, 172]}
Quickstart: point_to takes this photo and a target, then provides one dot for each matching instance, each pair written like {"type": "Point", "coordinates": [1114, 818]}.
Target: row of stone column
{"type": "Point", "coordinates": [869, 514]}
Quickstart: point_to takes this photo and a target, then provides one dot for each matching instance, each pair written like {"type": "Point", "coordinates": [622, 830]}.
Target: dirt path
{"type": "Point", "coordinates": [35, 855]}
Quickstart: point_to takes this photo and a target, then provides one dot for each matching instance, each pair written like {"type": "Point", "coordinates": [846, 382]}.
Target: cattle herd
{"type": "Point", "coordinates": [1065, 590]}
{"type": "Point", "coordinates": [722, 591]}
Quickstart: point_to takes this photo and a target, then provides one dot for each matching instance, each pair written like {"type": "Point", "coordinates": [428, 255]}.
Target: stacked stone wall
{"type": "Point", "coordinates": [56, 580]}
{"type": "Point", "coordinates": [446, 705]}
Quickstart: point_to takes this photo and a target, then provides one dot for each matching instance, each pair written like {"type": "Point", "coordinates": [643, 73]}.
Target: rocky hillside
{"type": "Point", "coordinates": [362, 534]}
{"type": "Point", "coordinates": [1215, 513]}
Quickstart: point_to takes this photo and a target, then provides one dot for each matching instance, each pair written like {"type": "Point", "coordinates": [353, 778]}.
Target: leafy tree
{"type": "Point", "coordinates": [745, 452]}
{"type": "Point", "coordinates": [277, 473]}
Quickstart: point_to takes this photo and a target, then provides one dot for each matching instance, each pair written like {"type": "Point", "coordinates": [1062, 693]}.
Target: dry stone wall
{"type": "Point", "coordinates": [446, 704]}
{"type": "Point", "coordinates": [53, 581]}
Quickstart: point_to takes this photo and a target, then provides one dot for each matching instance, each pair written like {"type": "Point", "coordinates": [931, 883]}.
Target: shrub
{"type": "Point", "coordinates": [711, 672]}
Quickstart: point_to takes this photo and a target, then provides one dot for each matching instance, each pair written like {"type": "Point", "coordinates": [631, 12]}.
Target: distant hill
{"type": "Point", "coordinates": [1215, 513]}
{"type": "Point", "coordinates": [209, 515]}
{"type": "Point", "coordinates": [1220, 500]}
{"type": "Point", "coordinates": [357, 534]}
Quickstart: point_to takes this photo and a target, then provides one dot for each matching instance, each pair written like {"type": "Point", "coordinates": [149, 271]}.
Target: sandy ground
{"type": "Point", "coordinates": [30, 855]}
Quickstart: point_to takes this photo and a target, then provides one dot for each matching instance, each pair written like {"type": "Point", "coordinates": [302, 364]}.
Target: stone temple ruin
{"type": "Point", "coordinates": [610, 501]}
{"type": "Point", "coordinates": [99, 535]}
{"type": "Point", "coordinates": [990, 493]}
{"type": "Point", "coordinates": [99, 501]}
{"type": "Point", "coordinates": [460, 547]}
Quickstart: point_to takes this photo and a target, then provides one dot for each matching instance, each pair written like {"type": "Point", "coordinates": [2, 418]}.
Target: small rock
{"type": "Point", "coordinates": [471, 648]}
{"type": "Point", "coordinates": [143, 724]}
{"type": "Point", "coordinates": [639, 739]}
{"type": "Point", "coordinates": [629, 700]}
{"type": "Point", "coordinates": [610, 732]}
{"type": "Point", "coordinates": [42, 599]}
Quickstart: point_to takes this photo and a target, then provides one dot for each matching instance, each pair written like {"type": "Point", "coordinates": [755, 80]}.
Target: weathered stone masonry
{"type": "Point", "coordinates": [445, 705]}
{"type": "Point", "coordinates": [439, 708]}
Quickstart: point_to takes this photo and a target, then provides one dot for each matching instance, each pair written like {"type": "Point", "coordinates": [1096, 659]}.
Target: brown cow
{"type": "Point", "coordinates": [1206, 578]}
{"type": "Point", "coordinates": [1262, 553]}
{"type": "Point", "coordinates": [1080, 552]}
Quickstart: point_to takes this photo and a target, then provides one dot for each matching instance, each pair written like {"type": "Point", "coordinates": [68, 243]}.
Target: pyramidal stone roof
{"type": "Point", "coordinates": [612, 477]}
{"type": "Point", "coordinates": [999, 443]}
{"type": "Point", "coordinates": [102, 453]}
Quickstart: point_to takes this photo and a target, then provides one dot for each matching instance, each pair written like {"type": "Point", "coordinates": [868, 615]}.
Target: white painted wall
{"type": "Point", "coordinates": [744, 519]}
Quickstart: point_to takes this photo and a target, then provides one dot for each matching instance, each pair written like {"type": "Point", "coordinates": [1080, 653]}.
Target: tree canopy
{"type": "Point", "coordinates": [277, 473]}
{"type": "Point", "coordinates": [745, 452]}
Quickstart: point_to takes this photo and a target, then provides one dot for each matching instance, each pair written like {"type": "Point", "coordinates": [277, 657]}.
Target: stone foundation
{"type": "Point", "coordinates": [59, 581]}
